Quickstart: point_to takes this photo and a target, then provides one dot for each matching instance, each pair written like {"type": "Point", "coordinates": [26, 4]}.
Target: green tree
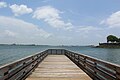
{"type": "Point", "coordinates": [118, 40]}
{"type": "Point", "coordinates": [112, 38]}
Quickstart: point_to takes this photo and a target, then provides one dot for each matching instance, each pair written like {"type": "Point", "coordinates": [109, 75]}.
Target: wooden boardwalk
{"type": "Point", "coordinates": [58, 67]}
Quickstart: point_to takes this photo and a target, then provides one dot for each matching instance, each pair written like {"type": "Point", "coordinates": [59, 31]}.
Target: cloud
{"type": "Point", "coordinates": [20, 9]}
{"type": "Point", "coordinates": [9, 33]}
{"type": "Point", "coordinates": [52, 17]}
{"type": "Point", "coordinates": [46, 0]}
{"type": "Point", "coordinates": [3, 4]}
{"type": "Point", "coordinates": [87, 29]}
{"type": "Point", "coordinates": [21, 30]}
{"type": "Point", "coordinates": [74, 12]}
{"type": "Point", "coordinates": [113, 20]}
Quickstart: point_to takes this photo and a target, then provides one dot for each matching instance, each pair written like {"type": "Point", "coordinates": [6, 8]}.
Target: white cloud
{"type": "Point", "coordinates": [113, 20]}
{"type": "Point", "coordinates": [52, 17]}
{"type": "Point", "coordinates": [87, 29]}
{"type": "Point", "coordinates": [46, 0]}
{"type": "Point", "coordinates": [20, 9]}
{"type": "Point", "coordinates": [21, 30]}
{"type": "Point", "coordinates": [9, 33]}
{"type": "Point", "coordinates": [74, 12]}
{"type": "Point", "coordinates": [3, 4]}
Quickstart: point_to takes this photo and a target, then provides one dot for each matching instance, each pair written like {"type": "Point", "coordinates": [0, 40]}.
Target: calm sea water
{"type": "Point", "coordinates": [12, 53]}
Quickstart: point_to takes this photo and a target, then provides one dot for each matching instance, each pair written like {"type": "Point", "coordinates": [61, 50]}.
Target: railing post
{"type": "Point", "coordinates": [56, 51]}
{"type": "Point", "coordinates": [47, 51]}
{"type": "Point", "coordinates": [74, 56]}
{"type": "Point", "coordinates": [78, 59]}
{"type": "Point", "coordinates": [51, 51]}
{"type": "Point", "coordinates": [95, 66]}
{"type": "Point", "coordinates": [117, 73]}
{"type": "Point", "coordinates": [61, 51]}
{"type": "Point", "coordinates": [84, 61]}
{"type": "Point", "coordinates": [71, 55]}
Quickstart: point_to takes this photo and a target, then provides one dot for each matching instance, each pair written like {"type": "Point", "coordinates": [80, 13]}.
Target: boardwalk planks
{"type": "Point", "coordinates": [58, 67]}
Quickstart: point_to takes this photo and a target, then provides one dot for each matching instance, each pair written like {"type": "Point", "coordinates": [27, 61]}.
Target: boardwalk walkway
{"type": "Point", "coordinates": [58, 67]}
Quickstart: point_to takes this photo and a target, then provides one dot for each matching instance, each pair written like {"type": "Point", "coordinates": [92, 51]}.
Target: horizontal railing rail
{"type": "Point", "coordinates": [95, 68]}
{"type": "Point", "coordinates": [56, 51]}
{"type": "Point", "coordinates": [20, 69]}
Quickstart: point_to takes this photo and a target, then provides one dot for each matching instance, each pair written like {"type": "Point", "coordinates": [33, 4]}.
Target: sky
{"type": "Point", "coordinates": [58, 22]}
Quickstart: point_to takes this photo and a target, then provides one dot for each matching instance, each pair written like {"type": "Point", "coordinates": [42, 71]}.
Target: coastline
{"type": "Point", "coordinates": [108, 45]}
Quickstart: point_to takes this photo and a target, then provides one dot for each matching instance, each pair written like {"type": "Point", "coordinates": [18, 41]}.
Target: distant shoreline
{"type": "Point", "coordinates": [108, 45]}
{"type": "Point", "coordinates": [45, 45]}
{"type": "Point", "coordinates": [21, 45]}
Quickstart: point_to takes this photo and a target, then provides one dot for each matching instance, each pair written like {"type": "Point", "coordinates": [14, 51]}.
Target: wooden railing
{"type": "Point", "coordinates": [56, 51]}
{"type": "Point", "coordinates": [20, 69]}
{"type": "Point", "coordinates": [96, 69]}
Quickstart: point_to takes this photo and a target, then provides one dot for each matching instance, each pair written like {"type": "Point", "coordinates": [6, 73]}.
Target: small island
{"type": "Point", "coordinates": [112, 42]}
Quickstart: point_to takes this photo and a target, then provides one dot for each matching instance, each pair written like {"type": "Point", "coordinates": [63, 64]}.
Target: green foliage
{"type": "Point", "coordinates": [112, 38]}
{"type": "Point", "coordinates": [119, 40]}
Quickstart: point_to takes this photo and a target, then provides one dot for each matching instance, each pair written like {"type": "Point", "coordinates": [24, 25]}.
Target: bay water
{"type": "Point", "coordinates": [10, 53]}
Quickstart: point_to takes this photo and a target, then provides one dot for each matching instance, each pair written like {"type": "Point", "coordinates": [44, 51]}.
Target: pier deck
{"type": "Point", "coordinates": [58, 67]}
{"type": "Point", "coordinates": [59, 64]}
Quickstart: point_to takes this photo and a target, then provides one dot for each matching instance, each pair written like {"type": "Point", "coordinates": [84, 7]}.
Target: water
{"type": "Point", "coordinates": [11, 53]}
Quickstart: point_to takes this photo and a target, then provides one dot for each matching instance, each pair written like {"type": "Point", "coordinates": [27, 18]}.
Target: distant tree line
{"type": "Point", "coordinates": [113, 39]}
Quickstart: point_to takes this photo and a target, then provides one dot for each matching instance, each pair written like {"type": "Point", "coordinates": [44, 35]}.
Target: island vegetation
{"type": "Point", "coordinates": [113, 39]}
{"type": "Point", "coordinates": [112, 42]}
